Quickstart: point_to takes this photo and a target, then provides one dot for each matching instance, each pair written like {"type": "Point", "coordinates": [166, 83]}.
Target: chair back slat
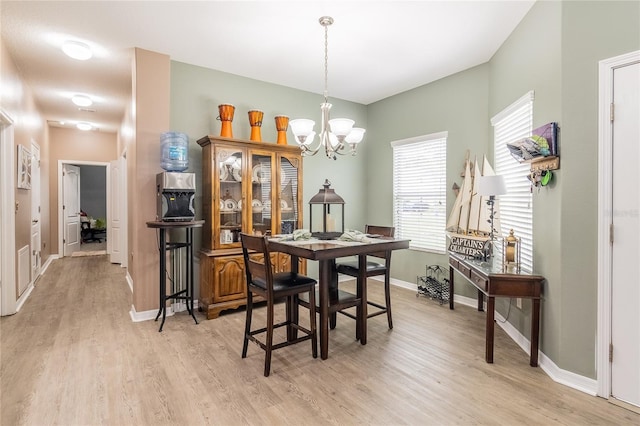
{"type": "Point", "coordinates": [385, 231]}
{"type": "Point", "coordinates": [258, 264]}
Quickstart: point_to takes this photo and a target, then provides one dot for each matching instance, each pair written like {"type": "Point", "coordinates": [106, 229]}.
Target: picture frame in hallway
{"type": "Point", "coordinates": [24, 168]}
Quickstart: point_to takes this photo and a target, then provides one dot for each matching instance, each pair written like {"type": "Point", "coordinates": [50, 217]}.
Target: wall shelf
{"type": "Point", "coordinates": [544, 163]}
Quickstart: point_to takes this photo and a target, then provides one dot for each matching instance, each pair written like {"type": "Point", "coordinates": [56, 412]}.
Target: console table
{"type": "Point", "coordinates": [185, 294]}
{"type": "Point", "coordinates": [491, 281]}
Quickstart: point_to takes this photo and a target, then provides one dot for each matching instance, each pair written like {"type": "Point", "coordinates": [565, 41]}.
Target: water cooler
{"type": "Point", "coordinates": [176, 192]}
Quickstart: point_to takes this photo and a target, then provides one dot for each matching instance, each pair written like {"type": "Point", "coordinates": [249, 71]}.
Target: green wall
{"type": "Point", "coordinates": [457, 104]}
{"type": "Point", "coordinates": [591, 32]}
{"type": "Point", "coordinates": [196, 93]}
{"type": "Point", "coordinates": [554, 52]}
{"type": "Point", "coordinates": [530, 59]}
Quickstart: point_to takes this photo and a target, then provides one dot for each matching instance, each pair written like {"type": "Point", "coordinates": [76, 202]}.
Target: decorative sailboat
{"type": "Point", "coordinates": [468, 226]}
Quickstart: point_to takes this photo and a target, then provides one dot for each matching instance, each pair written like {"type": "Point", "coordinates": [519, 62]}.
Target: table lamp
{"type": "Point", "coordinates": [490, 186]}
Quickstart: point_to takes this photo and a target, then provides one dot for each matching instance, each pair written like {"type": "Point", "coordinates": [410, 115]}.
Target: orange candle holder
{"type": "Point", "coordinates": [255, 121]}
{"type": "Point", "coordinates": [226, 117]}
{"type": "Point", "coordinates": [282, 124]}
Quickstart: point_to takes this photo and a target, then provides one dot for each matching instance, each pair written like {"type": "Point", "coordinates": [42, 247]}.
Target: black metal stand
{"type": "Point", "coordinates": [185, 294]}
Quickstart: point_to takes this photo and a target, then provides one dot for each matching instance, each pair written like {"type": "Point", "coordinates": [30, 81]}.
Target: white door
{"type": "Point", "coordinates": [116, 214]}
{"type": "Point", "coordinates": [625, 280]}
{"type": "Point", "coordinates": [71, 208]}
{"type": "Point", "coordinates": [36, 245]}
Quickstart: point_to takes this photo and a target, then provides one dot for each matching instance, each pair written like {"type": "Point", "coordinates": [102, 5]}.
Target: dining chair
{"type": "Point", "coordinates": [263, 282]}
{"type": "Point", "coordinates": [381, 265]}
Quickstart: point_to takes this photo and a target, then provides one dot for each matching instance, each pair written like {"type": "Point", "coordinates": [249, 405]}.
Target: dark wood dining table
{"type": "Point", "coordinates": [326, 252]}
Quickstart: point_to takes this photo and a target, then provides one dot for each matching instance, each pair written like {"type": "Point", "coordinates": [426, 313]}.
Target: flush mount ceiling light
{"type": "Point", "coordinates": [77, 50]}
{"type": "Point", "coordinates": [84, 126]}
{"type": "Point", "coordinates": [334, 134]}
{"type": "Point", "coordinates": [82, 100]}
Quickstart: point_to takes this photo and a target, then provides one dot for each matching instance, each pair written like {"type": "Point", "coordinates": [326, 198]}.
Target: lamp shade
{"type": "Point", "coordinates": [490, 185]}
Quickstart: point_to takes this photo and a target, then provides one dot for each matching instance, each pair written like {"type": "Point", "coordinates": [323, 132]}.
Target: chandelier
{"type": "Point", "coordinates": [334, 134]}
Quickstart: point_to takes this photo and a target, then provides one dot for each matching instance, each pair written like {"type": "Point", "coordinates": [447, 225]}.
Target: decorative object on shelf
{"type": "Point", "coordinates": [224, 172]}
{"type": "Point", "coordinates": [334, 134]}
{"type": "Point", "coordinates": [491, 186]}
{"type": "Point", "coordinates": [511, 253]}
{"type": "Point", "coordinates": [326, 197]}
{"type": "Point", "coordinates": [236, 171]}
{"type": "Point", "coordinates": [434, 284]}
{"type": "Point", "coordinates": [543, 142]}
{"type": "Point", "coordinates": [226, 117]}
{"type": "Point", "coordinates": [255, 121]}
{"type": "Point", "coordinates": [282, 125]}
{"type": "Point", "coordinates": [260, 175]}
{"type": "Point", "coordinates": [468, 225]}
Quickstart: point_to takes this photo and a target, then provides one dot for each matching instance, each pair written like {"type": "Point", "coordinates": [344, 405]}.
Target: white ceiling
{"type": "Point", "coordinates": [376, 48]}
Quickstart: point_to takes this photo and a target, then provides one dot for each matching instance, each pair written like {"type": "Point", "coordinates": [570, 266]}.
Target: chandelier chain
{"type": "Point", "coordinates": [326, 63]}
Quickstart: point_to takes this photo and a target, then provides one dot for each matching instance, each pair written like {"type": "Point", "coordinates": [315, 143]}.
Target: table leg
{"type": "Point", "coordinates": [481, 301]}
{"type": "Point", "coordinates": [292, 306]}
{"type": "Point", "coordinates": [333, 293]}
{"type": "Point", "coordinates": [324, 281]}
{"type": "Point", "coordinates": [450, 287]}
{"type": "Point", "coordinates": [189, 232]}
{"type": "Point", "coordinates": [535, 331]}
{"type": "Point", "coordinates": [163, 278]}
{"type": "Point", "coordinates": [362, 294]}
{"type": "Point", "coordinates": [491, 304]}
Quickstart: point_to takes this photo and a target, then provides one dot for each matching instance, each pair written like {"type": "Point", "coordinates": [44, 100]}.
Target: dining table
{"type": "Point", "coordinates": [325, 252]}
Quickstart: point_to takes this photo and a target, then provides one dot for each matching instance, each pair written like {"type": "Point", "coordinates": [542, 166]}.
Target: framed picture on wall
{"type": "Point", "coordinates": [24, 168]}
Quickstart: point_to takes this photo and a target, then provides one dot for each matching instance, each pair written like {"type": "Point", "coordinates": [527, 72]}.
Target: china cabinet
{"type": "Point", "coordinates": [250, 187]}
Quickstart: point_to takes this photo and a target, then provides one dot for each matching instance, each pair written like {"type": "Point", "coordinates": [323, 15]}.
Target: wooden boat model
{"type": "Point", "coordinates": [469, 225]}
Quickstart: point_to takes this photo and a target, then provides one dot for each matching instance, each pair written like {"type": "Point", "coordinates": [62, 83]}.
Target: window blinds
{"type": "Point", "coordinates": [516, 210]}
{"type": "Point", "coordinates": [419, 191]}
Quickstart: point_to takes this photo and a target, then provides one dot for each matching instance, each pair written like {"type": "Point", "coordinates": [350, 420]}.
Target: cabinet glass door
{"type": "Point", "coordinates": [262, 210]}
{"type": "Point", "coordinates": [230, 204]}
{"type": "Point", "coordinates": [289, 195]}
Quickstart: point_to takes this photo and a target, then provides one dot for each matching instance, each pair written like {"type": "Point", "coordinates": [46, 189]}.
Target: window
{"type": "Point", "coordinates": [513, 123]}
{"type": "Point", "coordinates": [419, 191]}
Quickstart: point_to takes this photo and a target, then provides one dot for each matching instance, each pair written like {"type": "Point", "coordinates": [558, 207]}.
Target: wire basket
{"type": "Point", "coordinates": [434, 284]}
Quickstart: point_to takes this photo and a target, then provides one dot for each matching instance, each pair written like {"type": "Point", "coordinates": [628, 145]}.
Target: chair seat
{"type": "Point", "coordinates": [351, 268]}
{"type": "Point", "coordinates": [285, 281]}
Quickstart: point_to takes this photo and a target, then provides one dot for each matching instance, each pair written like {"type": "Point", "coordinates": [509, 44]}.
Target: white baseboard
{"type": "Point", "coordinates": [146, 315]}
{"type": "Point", "coordinates": [151, 314]}
{"type": "Point", "coordinates": [48, 262]}
{"type": "Point", "coordinates": [564, 377]}
{"type": "Point", "coordinates": [23, 298]}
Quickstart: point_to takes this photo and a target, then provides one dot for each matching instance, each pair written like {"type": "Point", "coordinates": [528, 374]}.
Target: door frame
{"type": "Point", "coordinates": [605, 202]}
{"type": "Point", "coordinates": [36, 191]}
{"type": "Point", "coordinates": [61, 164]}
{"type": "Point", "coordinates": [7, 217]}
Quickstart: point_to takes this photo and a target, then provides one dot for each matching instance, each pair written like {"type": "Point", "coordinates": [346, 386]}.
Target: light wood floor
{"type": "Point", "coordinates": [72, 356]}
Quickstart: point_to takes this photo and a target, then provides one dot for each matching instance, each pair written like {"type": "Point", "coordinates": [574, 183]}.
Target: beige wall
{"type": "Point", "coordinates": [71, 145]}
{"type": "Point", "coordinates": [16, 101]}
{"type": "Point", "coordinates": [151, 94]}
